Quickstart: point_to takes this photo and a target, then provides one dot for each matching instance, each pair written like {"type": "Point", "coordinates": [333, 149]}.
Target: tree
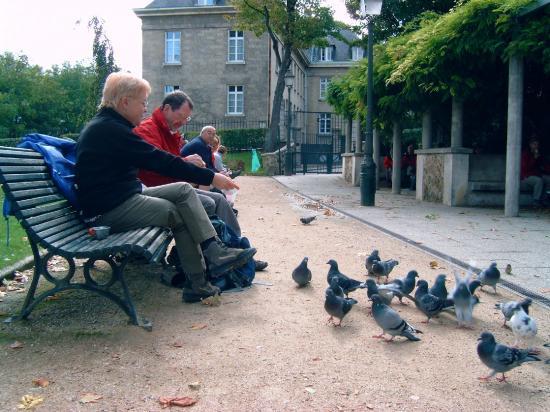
{"type": "Point", "coordinates": [291, 24]}
{"type": "Point", "coordinates": [103, 65]}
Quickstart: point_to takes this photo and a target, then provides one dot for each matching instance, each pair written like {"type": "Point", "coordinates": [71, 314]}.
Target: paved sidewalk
{"type": "Point", "coordinates": [474, 236]}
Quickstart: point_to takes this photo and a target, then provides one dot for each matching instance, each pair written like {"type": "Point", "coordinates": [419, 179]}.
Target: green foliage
{"type": "Point", "coordinates": [239, 139]}
{"type": "Point", "coordinates": [19, 247]}
{"type": "Point", "coordinates": [236, 159]}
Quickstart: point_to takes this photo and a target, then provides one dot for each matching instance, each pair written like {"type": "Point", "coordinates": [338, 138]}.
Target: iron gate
{"type": "Point", "coordinates": [319, 141]}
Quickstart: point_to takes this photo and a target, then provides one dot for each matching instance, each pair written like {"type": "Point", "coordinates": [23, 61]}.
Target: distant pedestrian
{"type": "Point", "coordinates": [535, 172]}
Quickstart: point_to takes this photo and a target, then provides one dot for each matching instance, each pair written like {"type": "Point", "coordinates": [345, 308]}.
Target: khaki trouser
{"type": "Point", "coordinates": [175, 206]}
{"type": "Point", "coordinates": [537, 183]}
{"type": "Point", "coordinates": [216, 204]}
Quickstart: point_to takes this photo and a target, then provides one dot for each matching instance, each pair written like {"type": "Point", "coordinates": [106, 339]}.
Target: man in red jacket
{"type": "Point", "coordinates": [534, 173]}
{"type": "Point", "coordinates": [161, 130]}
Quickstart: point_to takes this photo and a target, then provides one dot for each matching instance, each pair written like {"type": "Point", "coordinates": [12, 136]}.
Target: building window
{"type": "Point", "coordinates": [235, 100]}
{"type": "Point", "coordinates": [325, 54]}
{"type": "Point", "coordinates": [235, 46]}
{"type": "Point", "coordinates": [325, 123]}
{"type": "Point", "coordinates": [172, 47]}
{"type": "Point", "coordinates": [356, 53]}
{"type": "Point", "coordinates": [323, 84]}
{"type": "Point", "coordinates": [168, 88]}
{"type": "Point", "coordinates": [205, 2]}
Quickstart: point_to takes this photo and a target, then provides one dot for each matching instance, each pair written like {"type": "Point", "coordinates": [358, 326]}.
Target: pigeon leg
{"type": "Point", "coordinates": [389, 340]}
{"type": "Point", "coordinates": [503, 379]}
{"type": "Point", "coordinates": [379, 336]}
{"type": "Point", "coordinates": [330, 320]}
{"type": "Point", "coordinates": [495, 288]}
{"type": "Point", "coordinates": [339, 323]}
{"type": "Point", "coordinates": [504, 324]}
{"type": "Point", "coordinates": [403, 303]}
{"type": "Point", "coordinates": [485, 378]}
{"type": "Point", "coordinates": [425, 321]}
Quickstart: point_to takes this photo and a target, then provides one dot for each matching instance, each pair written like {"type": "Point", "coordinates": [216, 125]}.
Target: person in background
{"type": "Point", "coordinates": [408, 167]}
{"type": "Point", "coordinates": [202, 146]}
{"type": "Point", "coordinates": [388, 165]}
{"type": "Point", "coordinates": [108, 158]}
{"type": "Point", "coordinates": [535, 173]}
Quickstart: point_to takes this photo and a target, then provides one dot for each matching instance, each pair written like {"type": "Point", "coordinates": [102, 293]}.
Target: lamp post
{"type": "Point", "coordinates": [369, 8]}
{"type": "Point", "coordinates": [289, 80]}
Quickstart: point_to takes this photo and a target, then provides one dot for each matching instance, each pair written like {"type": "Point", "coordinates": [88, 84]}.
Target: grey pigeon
{"type": "Point", "coordinates": [397, 288]}
{"type": "Point", "coordinates": [347, 284]}
{"type": "Point", "coordinates": [463, 301]}
{"type": "Point", "coordinates": [490, 276]}
{"type": "Point", "coordinates": [307, 220]}
{"type": "Point", "coordinates": [302, 275]}
{"type": "Point", "coordinates": [385, 295]}
{"type": "Point", "coordinates": [390, 321]}
{"type": "Point", "coordinates": [473, 285]}
{"type": "Point", "coordinates": [427, 303]}
{"type": "Point", "coordinates": [336, 287]}
{"type": "Point", "coordinates": [337, 307]}
{"type": "Point", "coordinates": [507, 308]}
{"type": "Point", "coordinates": [523, 325]}
{"type": "Point", "coordinates": [407, 283]}
{"type": "Point", "coordinates": [383, 268]}
{"type": "Point", "coordinates": [501, 358]}
{"type": "Point", "coordinates": [439, 289]}
{"type": "Point", "coordinates": [373, 257]}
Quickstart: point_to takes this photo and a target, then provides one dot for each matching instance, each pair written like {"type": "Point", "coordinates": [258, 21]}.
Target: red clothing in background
{"type": "Point", "coordinates": [408, 160]}
{"type": "Point", "coordinates": [388, 162]}
{"type": "Point", "coordinates": [529, 165]}
{"type": "Point", "coordinates": [155, 131]}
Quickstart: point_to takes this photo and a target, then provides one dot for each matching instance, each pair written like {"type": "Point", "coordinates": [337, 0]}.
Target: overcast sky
{"type": "Point", "coordinates": [54, 31]}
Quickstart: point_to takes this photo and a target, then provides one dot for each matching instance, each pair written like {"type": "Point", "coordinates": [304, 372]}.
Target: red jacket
{"type": "Point", "coordinates": [155, 130]}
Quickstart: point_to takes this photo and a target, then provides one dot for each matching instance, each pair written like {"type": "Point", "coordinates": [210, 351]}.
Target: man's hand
{"type": "Point", "coordinates": [195, 159]}
{"type": "Point", "coordinates": [223, 182]}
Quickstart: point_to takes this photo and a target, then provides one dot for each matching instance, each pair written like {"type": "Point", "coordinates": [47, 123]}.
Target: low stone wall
{"type": "Point", "coordinates": [270, 162]}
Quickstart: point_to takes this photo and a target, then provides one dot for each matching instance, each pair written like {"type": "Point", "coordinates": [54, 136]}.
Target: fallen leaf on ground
{"type": "Point", "coordinates": [434, 264]}
{"type": "Point", "coordinates": [317, 358]}
{"type": "Point", "coordinates": [53, 297]}
{"type": "Point", "coordinates": [311, 390]}
{"type": "Point", "coordinates": [197, 326]}
{"type": "Point", "coordinates": [369, 406]}
{"type": "Point", "coordinates": [90, 398]}
{"type": "Point", "coordinates": [177, 345]}
{"type": "Point", "coordinates": [177, 401]}
{"type": "Point", "coordinates": [432, 216]}
{"type": "Point", "coordinates": [42, 382]}
{"type": "Point", "coordinates": [215, 300]}
{"type": "Point", "coordinates": [30, 401]}
{"type": "Point", "coordinates": [415, 397]}
{"type": "Point", "coordinates": [17, 345]}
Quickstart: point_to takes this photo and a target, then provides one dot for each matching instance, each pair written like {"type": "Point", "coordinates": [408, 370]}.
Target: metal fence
{"type": "Point", "coordinates": [196, 126]}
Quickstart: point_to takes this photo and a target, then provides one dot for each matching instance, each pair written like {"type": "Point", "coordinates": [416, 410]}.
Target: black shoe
{"type": "Point", "coordinates": [260, 265]}
{"type": "Point", "coordinates": [199, 289]}
{"type": "Point", "coordinates": [236, 212]}
{"type": "Point", "coordinates": [175, 280]}
{"type": "Point", "coordinates": [221, 259]}
{"type": "Point", "coordinates": [235, 173]}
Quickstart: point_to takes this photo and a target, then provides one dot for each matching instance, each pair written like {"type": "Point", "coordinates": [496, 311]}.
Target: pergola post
{"type": "Point", "coordinates": [427, 129]}
{"type": "Point", "coordinates": [457, 122]}
{"type": "Point", "coordinates": [396, 170]}
{"type": "Point", "coordinates": [376, 155]}
{"type": "Point", "coordinates": [513, 136]}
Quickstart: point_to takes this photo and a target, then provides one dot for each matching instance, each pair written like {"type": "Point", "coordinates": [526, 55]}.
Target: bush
{"type": "Point", "coordinates": [243, 139]}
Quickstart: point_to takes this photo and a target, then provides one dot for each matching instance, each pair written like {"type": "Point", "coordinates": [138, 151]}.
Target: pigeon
{"type": "Point", "coordinates": [383, 268]}
{"type": "Point", "coordinates": [407, 283]}
{"type": "Point", "coordinates": [307, 220]}
{"type": "Point", "coordinates": [302, 275]}
{"type": "Point", "coordinates": [397, 288]}
{"type": "Point", "coordinates": [490, 276]}
{"type": "Point", "coordinates": [385, 295]}
{"type": "Point", "coordinates": [439, 289]}
{"type": "Point", "coordinates": [427, 303]}
{"type": "Point", "coordinates": [523, 325]}
{"type": "Point", "coordinates": [337, 307]}
{"type": "Point", "coordinates": [347, 284]}
{"type": "Point", "coordinates": [390, 321]}
{"type": "Point", "coordinates": [373, 257]}
{"type": "Point", "coordinates": [500, 358]}
{"type": "Point", "coordinates": [507, 308]}
{"type": "Point", "coordinates": [463, 301]}
{"type": "Point", "coordinates": [336, 287]}
{"type": "Point", "coordinates": [473, 285]}
{"type": "Point", "coordinates": [508, 269]}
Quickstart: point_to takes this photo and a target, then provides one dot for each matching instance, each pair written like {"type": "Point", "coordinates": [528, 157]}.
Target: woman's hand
{"type": "Point", "coordinates": [223, 182]}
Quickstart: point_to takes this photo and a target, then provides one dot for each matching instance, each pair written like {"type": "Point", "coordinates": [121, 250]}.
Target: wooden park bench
{"type": "Point", "coordinates": [54, 225]}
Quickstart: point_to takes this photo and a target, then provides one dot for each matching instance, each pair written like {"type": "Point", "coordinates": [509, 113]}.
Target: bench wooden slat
{"type": "Point", "coordinates": [36, 220]}
{"type": "Point", "coordinates": [26, 177]}
{"type": "Point", "coordinates": [158, 241]}
{"type": "Point", "coordinates": [37, 201]}
{"type": "Point", "coordinates": [145, 237]}
{"type": "Point", "coordinates": [58, 228]}
{"type": "Point", "coordinates": [19, 152]}
{"type": "Point", "coordinates": [25, 185]}
{"type": "Point", "coordinates": [64, 234]}
{"type": "Point", "coordinates": [21, 161]}
{"type": "Point", "coordinates": [33, 193]}
{"type": "Point", "coordinates": [74, 242]}
{"type": "Point", "coordinates": [71, 218]}
{"type": "Point", "coordinates": [41, 209]}
{"type": "Point", "coordinates": [22, 169]}
{"type": "Point", "coordinates": [66, 240]}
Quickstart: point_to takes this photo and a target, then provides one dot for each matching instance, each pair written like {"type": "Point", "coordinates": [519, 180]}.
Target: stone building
{"type": "Point", "coordinates": [230, 74]}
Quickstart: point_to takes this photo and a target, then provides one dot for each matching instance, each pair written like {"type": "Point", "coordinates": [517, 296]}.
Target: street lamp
{"type": "Point", "coordinates": [289, 80]}
{"type": "Point", "coordinates": [368, 9]}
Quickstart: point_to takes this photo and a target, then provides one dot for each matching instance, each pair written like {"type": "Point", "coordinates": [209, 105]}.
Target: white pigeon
{"type": "Point", "coordinates": [523, 325]}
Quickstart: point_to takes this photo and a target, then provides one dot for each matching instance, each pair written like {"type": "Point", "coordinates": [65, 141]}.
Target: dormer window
{"type": "Point", "coordinates": [356, 53]}
{"type": "Point", "coordinates": [325, 54]}
{"type": "Point", "coordinates": [206, 2]}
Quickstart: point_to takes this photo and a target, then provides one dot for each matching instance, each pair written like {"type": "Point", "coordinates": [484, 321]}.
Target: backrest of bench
{"type": "Point", "coordinates": [42, 210]}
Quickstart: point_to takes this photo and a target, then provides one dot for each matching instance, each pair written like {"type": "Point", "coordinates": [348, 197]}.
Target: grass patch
{"type": "Point", "coordinates": [86, 334]}
{"type": "Point", "coordinates": [233, 159]}
{"type": "Point", "coordinates": [18, 247]}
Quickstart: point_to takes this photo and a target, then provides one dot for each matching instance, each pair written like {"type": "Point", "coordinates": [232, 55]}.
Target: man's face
{"type": "Point", "coordinates": [177, 118]}
{"type": "Point", "coordinates": [534, 145]}
{"type": "Point", "coordinates": [208, 135]}
{"type": "Point", "coordinates": [134, 107]}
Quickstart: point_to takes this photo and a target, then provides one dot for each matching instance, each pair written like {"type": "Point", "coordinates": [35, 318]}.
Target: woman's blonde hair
{"type": "Point", "coordinates": [122, 84]}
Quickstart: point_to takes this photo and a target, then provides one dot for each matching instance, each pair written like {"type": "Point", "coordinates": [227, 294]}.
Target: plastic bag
{"type": "Point", "coordinates": [255, 161]}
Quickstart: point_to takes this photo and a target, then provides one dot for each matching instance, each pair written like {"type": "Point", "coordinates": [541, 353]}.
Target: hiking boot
{"type": "Point", "coordinates": [175, 280]}
{"type": "Point", "coordinates": [259, 265]}
{"type": "Point", "coordinates": [200, 289]}
{"type": "Point", "coordinates": [221, 259]}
